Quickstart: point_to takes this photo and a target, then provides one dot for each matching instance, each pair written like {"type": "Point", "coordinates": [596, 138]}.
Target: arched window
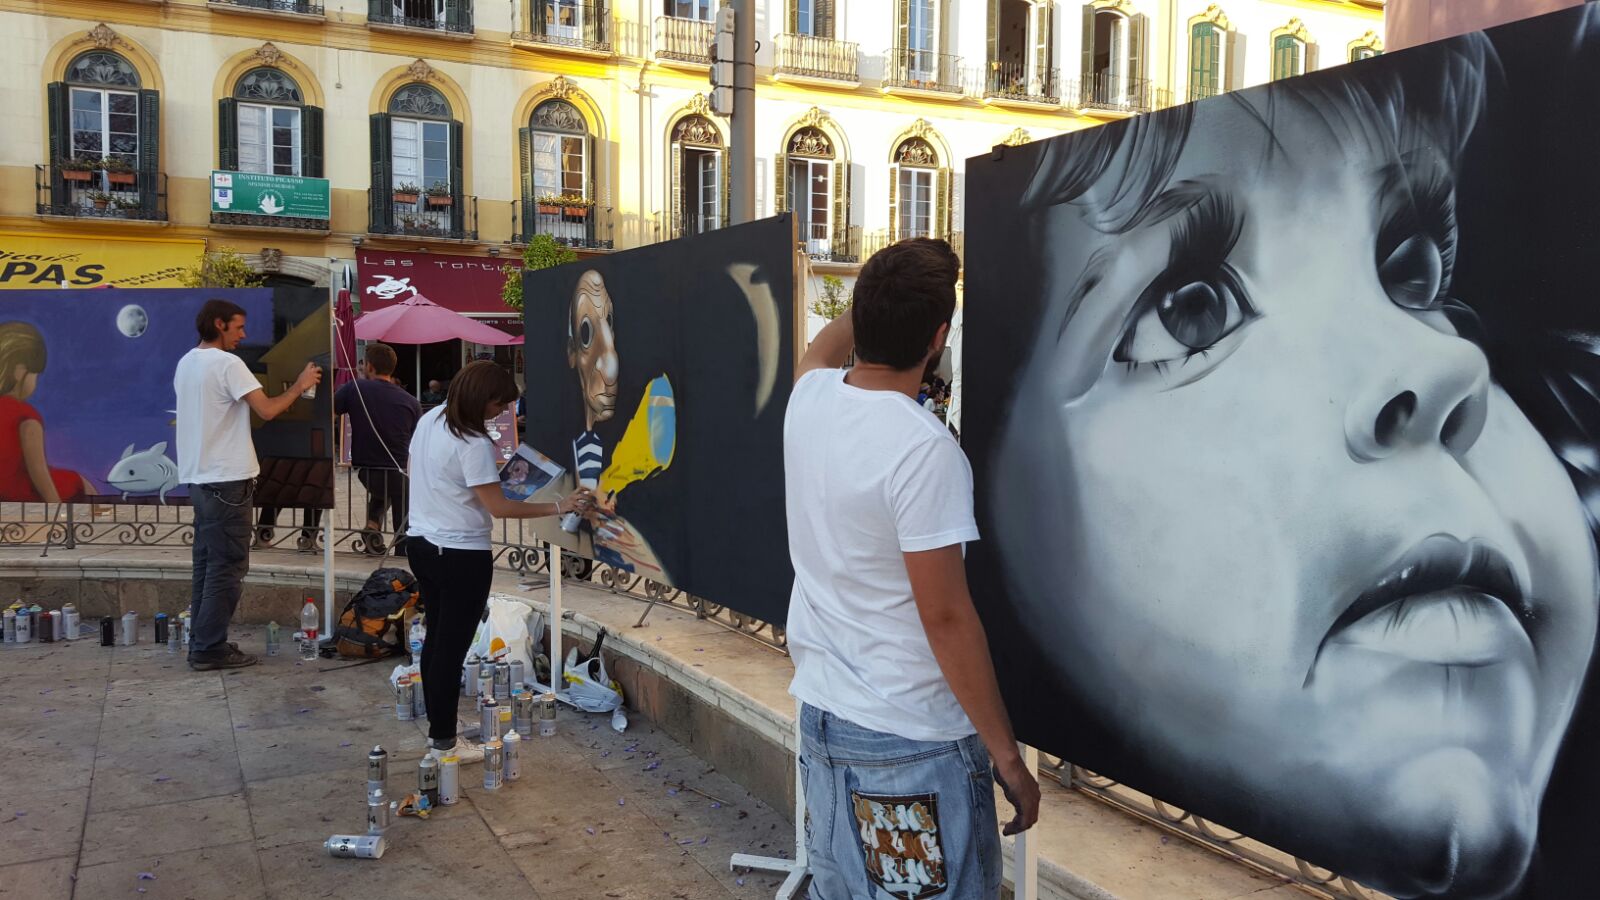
{"type": "Point", "coordinates": [809, 187]}
{"type": "Point", "coordinates": [699, 176]}
{"type": "Point", "coordinates": [104, 139]}
{"type": "Point", "coordinates": [265, 127]}
{"type": "Point", "coordinates": [1114, 59]}
{"type": "Point", "coordinates": [919, 192]}
{"type": "Point", "coordinates": [1288, 56]}
{"type": "Point", "coordinates": [1205, 60]}
{"type": "Point", "coordinates": [1360, 51]}
{"type": "Point", "coordinates": [558, 174]}
{"type": "Point", "coordinates": [417, 150]}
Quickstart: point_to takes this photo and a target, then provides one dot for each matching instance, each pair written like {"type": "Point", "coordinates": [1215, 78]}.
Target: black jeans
{"type": "Point", "coordinates": [386, 489]}
{"type": "Point", "coordinates": [455, 589]}
{"type": "Point", "coordinates": [221, 558]}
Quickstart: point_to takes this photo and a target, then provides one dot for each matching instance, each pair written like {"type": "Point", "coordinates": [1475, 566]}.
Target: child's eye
{"type": "Point", "coordinates": [1177, 322]}
{"type": "Point", "coordinates": [1412, 273]}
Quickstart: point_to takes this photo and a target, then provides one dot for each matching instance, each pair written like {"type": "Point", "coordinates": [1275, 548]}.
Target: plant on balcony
{"type": "Point", "coordinates": [406, 193]}
{"type": "Point", "coordinates": [834, 302]}
{"type": "Point", "coordinates": [126, 203]}
{"type": "Point", "coordinates": [439, 194]}
{"type": "Point", "coordinates": [224, 268]}
{"type": "Point", "coordinates": [117, 171]}
{"type": "Point", "coordinates": [77, 169]}
{"type": "Point", "coordinates": [100, 199]}
{"type": "Point", "coordinates": [542, 252]}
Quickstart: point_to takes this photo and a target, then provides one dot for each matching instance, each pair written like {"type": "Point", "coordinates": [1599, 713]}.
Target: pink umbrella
{"type": "Point", "coordinates": [344, 365]}
{"type": "Point", "coordinates": [418, 320]}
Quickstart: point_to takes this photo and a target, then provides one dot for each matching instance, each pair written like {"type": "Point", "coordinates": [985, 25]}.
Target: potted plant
{"type": "Point", "coordinates": [117, 171]}
{"type": "Point", "coordinates": [406, 193]}
{"type": "Point", "coordinates": [100, 199]}
{"type": "Point", "coordinates": [550, 205]}
{"type": "Point", "coordinates": [439, 194]}
{"type": "Point", "coordinates": [76, 169]}
{"type": "Point", "coordinates": [408, 223]}
{"type": "Point", "coordinates": [575, 208]}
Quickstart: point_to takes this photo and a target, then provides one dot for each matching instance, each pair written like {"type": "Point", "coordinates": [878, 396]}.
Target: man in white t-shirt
{"type": "Point", "coordinates": [216, 393]}
{"type": "Point", "coordinates": [900, 711]}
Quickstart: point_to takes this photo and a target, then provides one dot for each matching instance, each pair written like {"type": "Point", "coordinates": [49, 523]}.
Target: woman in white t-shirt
{"type": "Point", "coordinates": [455, 495]}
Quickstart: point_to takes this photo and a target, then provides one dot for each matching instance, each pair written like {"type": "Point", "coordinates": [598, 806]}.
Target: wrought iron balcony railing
{"type": "Point", "coordinates": [575, 226]}
{"type": "Point", "coordinates": [580, 26]}
{"type": "Point", "coordinates": [684, 40]}
{"type": "Point", "coordinates": [428, 216]}
{"type": "Point", "coordinates": [1103, 90]}
{"type": "Point", "coordinates": [456, 20]}
{"type": "Point", "coordinates": [297, 7]}
{"type": "Point", "coordinates": [99, 194]}
{"type": "Point", "coordinates": [873, 241]}
{"type": "Point", "coordinates": [1203, 91]}
{"type": "Point", "coordinates": [1013, 81]}
{"type": "Point", "coordinates": [922, 70]}
{"type": "Point", "coordinates": [817, 57]}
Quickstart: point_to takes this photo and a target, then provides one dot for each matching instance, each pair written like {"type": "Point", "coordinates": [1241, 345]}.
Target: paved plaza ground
{"type": "Point", "coordinates": [132, 776]}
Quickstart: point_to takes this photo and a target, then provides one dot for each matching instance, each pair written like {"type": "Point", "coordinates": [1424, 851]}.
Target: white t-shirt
{"type": "Point", "coordinates": [869, 475]}
{"type": "Point", "coordinates": [444, 469]}
{"type": "Point", "coordinates": [213, 420]}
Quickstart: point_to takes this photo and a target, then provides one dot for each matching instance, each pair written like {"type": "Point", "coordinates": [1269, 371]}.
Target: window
{"type": "Point", "coordinates": [563, 18]}
{"type": "Point", "coordinates": [916, 203]}
{"type": "Point", "coordinates": [1288, 56]}
{"type": "Point", "coordinates": [1022, 52]}
{"type": "Point", "coordinates": [699, 176]}
{"type": "Point", "coordinates": [1113, 60]}
{"type": "Point", "coordinates": [100, 114]}
{"type": "Point", "coordinates": [434, 15]}
{"type": "Point", "coordinates": [105, 118]}
{"type": "Point", "coordinates": [417, 166]}
{"type": "Point", "coordinates": [1364, 51]}
{"type": "Point", "coordinates": [267, 114]}
{"type": "Point", "coordinates": [698, 10]}
{"type": "Point", "coordinates": [919, 40]}
{"type": "Point", "coordinates": [806, 182]}
{"type": "Point", "coordinates": [557, 196]}
{"type": "Point", "coordinates": [919, 191]}
{"type": "Point", "coordinates": [1205, 61]}
{"type": "Point", "coordinates": [811, 17]}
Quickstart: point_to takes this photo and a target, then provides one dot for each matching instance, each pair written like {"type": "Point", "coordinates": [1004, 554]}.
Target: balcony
{"type": "Point", "coordinates": [873, 241]}
{"type": "Point", "coordinates": [1203, 92]}
{"type": "Point", "coordinates": [1012, 83]}
{"type": "Point", "coordinates": [583, 29]}
{"type": "Point", "coordinates": [1111, 93]}
{"type": "Point", "coordinates": [572, 225]}
{"type": "Point", "coordinates": [429, 217]}
{"type": "Point", "coordinates": [99, 195]}
{"type": "Point", "coordinates": [455, 25]}
{"type": "Point", "coordinates": [683, 41]}
{"type": "Point", "coordinates": [922, 73]}
{"type": "Point", "coordinates": [252, 221]}
{"type": "Point", "coordinates": [803, 57]}
{"type": "Point", "coordinates": [293, 9]}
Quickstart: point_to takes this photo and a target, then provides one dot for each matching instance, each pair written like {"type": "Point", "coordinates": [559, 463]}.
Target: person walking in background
{"type": "Point", "coordinates": [455, 495]}
{"type": "Point", "coordinates": [216, 393]}
{"type": "Point", "coordinates": [382, 419]}
{"type": "Point", "coordinates": [900, 711]}
{"type": "Point", "coordinates": [434, 395]}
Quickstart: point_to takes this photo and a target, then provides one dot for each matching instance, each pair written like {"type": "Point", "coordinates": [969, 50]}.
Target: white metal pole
{"type": "Point", "coordinates": [327, 574]}
{"type": "Point", "coordinates": [1025, 852]}
{"type": "Point", "coordinates": [555, 616]}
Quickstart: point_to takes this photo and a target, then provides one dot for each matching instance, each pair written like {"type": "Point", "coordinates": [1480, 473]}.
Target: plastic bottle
{"type": "Point", "coordinates": [272, 638]}
{"type": "Point", "coordinates": [308, 629]}
{"type": "Point", "coordinates": [415, 637]}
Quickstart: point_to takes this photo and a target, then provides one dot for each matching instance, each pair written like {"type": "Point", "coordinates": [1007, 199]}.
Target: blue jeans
{"type": "Point", "coordinates": [888, 817]}
{"type": "Point", "coordinates": [221, 559]}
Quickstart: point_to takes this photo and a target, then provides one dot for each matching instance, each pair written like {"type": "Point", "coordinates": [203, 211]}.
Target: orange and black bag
{"type": "Point", "coordinates": [373, 624]}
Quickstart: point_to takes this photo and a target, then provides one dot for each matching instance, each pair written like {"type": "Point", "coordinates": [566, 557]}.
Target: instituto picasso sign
{"type": "Point", "coordinates": [253, 194]}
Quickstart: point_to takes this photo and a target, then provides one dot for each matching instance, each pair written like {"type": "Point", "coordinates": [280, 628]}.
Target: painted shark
{"type": "Point", "coordinates": [144, 472]}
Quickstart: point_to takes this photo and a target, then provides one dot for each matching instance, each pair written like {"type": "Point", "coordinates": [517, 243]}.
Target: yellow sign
{"type": "Point", "coordinates": [39, 261]}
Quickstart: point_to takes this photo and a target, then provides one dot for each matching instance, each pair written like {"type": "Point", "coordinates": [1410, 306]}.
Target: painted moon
{"type": "Point", "coordinates": [132, 320]}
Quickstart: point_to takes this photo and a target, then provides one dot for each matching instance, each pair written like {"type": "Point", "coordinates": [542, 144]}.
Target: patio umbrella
{"type": "Point", "coordinates": [418, 320]}
{"type": "Point", "coordinates": [344, 336]}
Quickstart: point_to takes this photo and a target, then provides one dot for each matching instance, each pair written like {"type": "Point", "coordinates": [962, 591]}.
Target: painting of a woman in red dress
{"type": "Point", "coordinates": [25, 474]}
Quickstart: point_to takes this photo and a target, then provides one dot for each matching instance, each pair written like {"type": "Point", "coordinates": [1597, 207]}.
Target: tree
{"type": "Point", "coordinates": [542, 252]}
{"type": "Point", "coordinates": [221, 268]}
{"type": "Point", "coordinates": [833, 303]}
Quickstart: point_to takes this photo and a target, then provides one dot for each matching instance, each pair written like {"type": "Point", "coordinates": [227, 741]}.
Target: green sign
{"type": "Point", "coordinates": [252, 194]}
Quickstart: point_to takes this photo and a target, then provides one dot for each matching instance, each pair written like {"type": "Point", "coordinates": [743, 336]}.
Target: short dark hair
{"type": "Point", "coordinates": [206, 321]}
{"type": "Point", "coordinates": [903, 294]}
{"type": "Point", "coordinates": [381, 358]}
{"type": "Point", "coordinates": [477, 385]}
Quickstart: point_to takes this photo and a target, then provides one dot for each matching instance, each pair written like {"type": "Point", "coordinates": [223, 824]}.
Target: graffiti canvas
{"type": "Point", "coordinates": [87, 411]}
{"type": "Point", "coordinates": [658, 377]}
{"type": "Point", "coordinates": [1284, 408]}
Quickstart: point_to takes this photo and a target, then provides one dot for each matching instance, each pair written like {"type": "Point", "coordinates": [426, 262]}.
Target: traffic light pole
{"type": "Point", "coordinates": [743, 123]}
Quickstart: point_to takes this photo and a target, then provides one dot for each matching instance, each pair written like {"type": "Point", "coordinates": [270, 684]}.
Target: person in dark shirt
{"type": "Point", "coordinates": [382, 417]}
{"type": "Point", "coordinates": [434, 395]}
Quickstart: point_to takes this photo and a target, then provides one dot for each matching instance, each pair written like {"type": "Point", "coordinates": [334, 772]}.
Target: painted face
{"type": "Point", "coordinates": [233, 332]}
{"type": "Point", "coordinates": [1302, 547]}
{"type": "Point", "coordinates": [592, 348]}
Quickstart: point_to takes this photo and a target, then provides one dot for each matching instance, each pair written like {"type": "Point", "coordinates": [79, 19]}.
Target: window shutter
{"type": "Point", "coordinates": [894, 203]}
{"type": "Point", "coordinates": [380, 211]}
{"type": "Point", "coordinates": [378, 10]}
{"type": "Point", "coordinates": [458, 213]}
{"type": "Point", "coordinates": [525, 163]}
{"type": "Point", "coordinates": [1087, 67]}
{"type": "Point", "coordinates": [676, 164]}
{"type": "Point", "coordinates": [1045, 40]}
{"type": "Point", "coordinates": [60, 111]}
{"type": "Point", "coordinates": [228, 135]}
{"type": "Point", "coordinates": [841, 209]}
{"type": "Point", "coordinates": [311, 141]}
{"type": "Point", "coordinates": [994, 33]}
{"type": "Point", "coordinates": [1136, 89]}
{"type": "Point", "coordinates": [727, 189]}
{"type": "Point", "coordinates": [541, 16]}
{"type": "Point", "coordinates": [941, 205]}
{"type": "Point", "coordinates": [823, 12]}
{"type": "Point", "coordinates": [780, 193]}
{"type": "Point", "coordinates": [149, 152]}
{"type": "Point", "coordinates": [1311, 58]}
{"type": "Point", "coordinates": [458, 17]}
{"type": "Point", "coordinates": [903, 28]}
{"type": "Point", "coordinates": [1233, 61]}
{"type": "Point", "coordinates": [594, 22]}
{"type": "Point", "coordinates": [794, 17]}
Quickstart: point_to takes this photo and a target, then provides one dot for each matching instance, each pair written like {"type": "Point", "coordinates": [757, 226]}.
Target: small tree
{"type": "Point", "coordinates": [833, 302]}
{"type": "Point", "coordinates": [222, 268]}
{"type": "Point", "coordinates": [542, 252]}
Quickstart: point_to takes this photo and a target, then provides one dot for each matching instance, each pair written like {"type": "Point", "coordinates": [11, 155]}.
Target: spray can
{"type": "Point", "coordinates": [24, 626]}
{"type": "Point", "coordinates": [355, 846]}
{"type": "Point", "coordinates": [450, 781]}
{"type": "Point", "coordinates": [35, 620]}
{"type": "Point", "coordinates": [505, 720]}
{"type": "Point", "coordinates": [69, 622]}
{"type": "Point", "coordinates": [46, 632]}
{"type": "Point", "coordinates": [419, 703]}
{"type": "Point", "coordinates": [486, 681]}
{"type": "Point", "coordinates": [9, 618]}
{"type": "Point", "coordinates": [547, 715]}
{"type": "Point", "coordinates": [404, 699]}
{"type": "Point", "coordinates": [377, 770]}
{"type": "Point", "coordinates": [273, 638]}
{"type": "Point", "coordinates": [130, 629]}
{"type": "Point", "coordinates": [469, 673]}
{"type": "Point", "coordinates": [494, 762]}
{"type": "Point", "coordinates": [58, 631]}
{"type": "Point", "coordinates": [513, 754]}
{"type": "Point", "coordinates": [522, 713]}
{"type": "Point", "coordinates": [108, 631]}
{"type": "Point", "coordinates": [161, 628]}
{"type": "Point", "coordinates": [174, 636]}
{"type": "Point", "coordinates": [518, 673]}
{"type": "Point", "coordinates": [428, 779]}
{"type": "Point", "coordinates": [377, 813]}
{"type": "Point", "coordinates": [489, 721]}
{"type": "Point", "coordinates": [188, 629]}
{"type": "Point", "coordinates": [502, 681]}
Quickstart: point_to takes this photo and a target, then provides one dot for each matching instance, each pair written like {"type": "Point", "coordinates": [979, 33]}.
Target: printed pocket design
{"type": "Point", "coordinates": [900, 843]}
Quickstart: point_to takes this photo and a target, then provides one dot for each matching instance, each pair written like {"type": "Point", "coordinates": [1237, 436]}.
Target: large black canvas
{"type": "Point", "coordinates": [1283, 412]}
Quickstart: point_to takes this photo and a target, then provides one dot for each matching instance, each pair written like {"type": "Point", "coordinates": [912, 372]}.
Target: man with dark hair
{"type": "Point", "coordinates": [900, 711]}
{"type": "Point", "coordinates": [382, 418]}
{"type": "Point", "coordinates": [216, 393]}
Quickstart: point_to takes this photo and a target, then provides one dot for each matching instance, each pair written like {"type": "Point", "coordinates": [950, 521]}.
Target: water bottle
{"type": "Point", "coordinates": [415, 637]}
{"type": "Point", "coordinates": [272, 638]}
{"type": "Point", "coordinates": [308, 630]}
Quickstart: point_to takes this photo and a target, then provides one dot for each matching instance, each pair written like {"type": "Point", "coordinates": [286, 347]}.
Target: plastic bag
{"type": "Point", "coordinates": [503, 634]}
{"type": "Point", "coordinates": [589, 686]}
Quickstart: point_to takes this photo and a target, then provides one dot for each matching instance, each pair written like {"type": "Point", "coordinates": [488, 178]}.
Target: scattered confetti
{"type": "Point", "coordinates": [705, 839]}
{"type": "Point", "coordinates": [303, 709]}
{"type": "Point", "coordinates": [653, 766]}
{"type": "Point", "coordinates": [147, 876]}
{"type": "Point", "coordinates": [604, 753]}
{"type": "Point", "coordinates": [50, 710]}
{"type": "Point", "coordinates": [620, 801]}
{"type": "Point", "coordinates": [739, 882]}
{"type": "Point", "coordinates": [344, 743]}
{"type": "Point", "coordinates": [160, 778]}
{"type": "Point", "coordinates": [672, 792]}
{"type": "Point", "coordinates": [590, 830]}
{"type": "Point", "coordinates": [716, 806]}
{"type": "Point", "coordinates": [686, 841]}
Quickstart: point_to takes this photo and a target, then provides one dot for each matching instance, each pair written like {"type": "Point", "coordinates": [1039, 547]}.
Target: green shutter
{"type": "Point", "coordinates": [941, 205]}
{"type": "Point", "coordinates": [894, 203]}
{"type": "Point", "coordinates": [822, 15]}
{"type": "Point", "coordinates": [149, 152]}
{"type": "Point", "coordinates": [1045, 62]}
{"type": "Point", "coordinates": [780, 184]}
{"type": "Point", "coordinates": [903, 28]}
{"type": "Point", "coordinates": [1205, 45]}
{"type": "Point", "coordinates": [311, 141]}
{"type": "Point", "coordinates": [458, 212]}
{"type": "Point", "coordinates": [1087, 67]}
{"type": "Point", "coordinates": [60, 112]}
{"type": "Point", "coordinates": [458, 18]}
{"type": "Point", "coordinates": [378, 10]}
{"type": "Point", "coordinates": [727, 189]}
{"type": "Point", "coordinates": [841, 209]}
{"type": "Point", "coordinates": [228, 135]}
{"type": "Point", "coordinates": [525, 163]}
{"type": "Point", "coordinates": [380, 212]}
{"type": "Point", "coordinates": [994, 32]}
{"type": "Point", "coordinates": [541, 17]}
{"type": "Point", "coordinates": [1285, 56]}
{"type": "Point", "coordinates": [1137, 30]}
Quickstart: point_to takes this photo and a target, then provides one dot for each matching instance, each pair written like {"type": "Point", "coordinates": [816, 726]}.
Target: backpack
{"type": "Point", "coordinates": [373, 624]}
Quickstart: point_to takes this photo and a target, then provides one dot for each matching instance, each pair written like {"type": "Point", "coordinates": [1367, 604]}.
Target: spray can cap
{"type": "Point", "coordinates": [161, 615]}
{"type": "Point", "coordinates": [379, 751]}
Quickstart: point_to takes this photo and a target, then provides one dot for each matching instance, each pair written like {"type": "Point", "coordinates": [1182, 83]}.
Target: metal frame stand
{"type": "Point", "coordinates": [797, 870]}
{"type": "Point", "coordinates": [1025, 852]}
